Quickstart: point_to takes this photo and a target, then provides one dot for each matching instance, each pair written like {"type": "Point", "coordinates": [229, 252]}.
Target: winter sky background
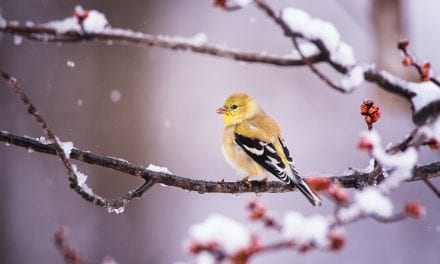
{"type": "Point", "coordinates": [155, 106]}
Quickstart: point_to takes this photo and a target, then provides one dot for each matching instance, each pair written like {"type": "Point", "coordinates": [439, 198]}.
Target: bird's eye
{"type": "Point", "coordinates": [234, 106]}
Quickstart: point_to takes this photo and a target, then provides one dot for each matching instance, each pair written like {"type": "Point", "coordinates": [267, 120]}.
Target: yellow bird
{"type": "Point", "coordinates": [252, 144]}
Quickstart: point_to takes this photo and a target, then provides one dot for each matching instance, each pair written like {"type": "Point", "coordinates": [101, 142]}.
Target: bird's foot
{"type": "Point", "coordinates": [247, 181]}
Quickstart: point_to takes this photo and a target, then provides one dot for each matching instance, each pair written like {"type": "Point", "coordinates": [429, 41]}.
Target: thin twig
{"type": "Point", "coordinates": [294, 37]}
{"type": "Point", "coordinates": [58, 150]}
{"type": "Point", "coordinates": [44, 33]}
{"type": "Point", "coordinates": [431, 186]}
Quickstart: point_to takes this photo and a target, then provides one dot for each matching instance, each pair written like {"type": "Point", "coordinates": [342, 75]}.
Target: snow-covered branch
{"type": "Point", "coordinates": [219, 239]}
{"type": "Point", "coordinates": [55, 32]}
{"type": "Point", "coordinates": [352, 179]}
{"type": "Point", "coordinates": [63, 150]}
{"type": "Point", "coordinates": [314, 41]}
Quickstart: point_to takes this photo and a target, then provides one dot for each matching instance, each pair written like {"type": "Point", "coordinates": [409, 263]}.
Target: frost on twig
{"type": "Point", "coordinates": [82, 21]}
{"type": "Point", "coordinates": [324, 46]}
{"type": "Point", "coordinates": [93, 26]}
{"type": "Point", "coordinates": [219, 239]}
{"type": "Point", "coordinates": [347, 180]}
{"type": "Point", "coordinates": [64, 150]}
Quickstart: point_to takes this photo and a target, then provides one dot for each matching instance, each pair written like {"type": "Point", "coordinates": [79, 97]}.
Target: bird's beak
{"type": "Point", "coordinates": [221, 110]}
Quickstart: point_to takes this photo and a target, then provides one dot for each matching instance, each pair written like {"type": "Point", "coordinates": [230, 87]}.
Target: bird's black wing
{"type": "Point", "coordinates": [264, 153]}
{"type": "Point", "coordinates": [286, 151]}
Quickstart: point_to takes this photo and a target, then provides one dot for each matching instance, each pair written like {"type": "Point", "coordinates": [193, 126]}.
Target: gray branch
{"type": "Point", "coordinates": [354, 180]}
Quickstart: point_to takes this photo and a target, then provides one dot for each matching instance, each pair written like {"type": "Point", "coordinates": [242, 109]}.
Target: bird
{"type": "Point", "coordinates": [252, 144]}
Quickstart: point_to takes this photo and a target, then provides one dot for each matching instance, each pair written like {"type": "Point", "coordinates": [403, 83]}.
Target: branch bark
{"type": "Point", "coordinates": [44, 33]}
{"type": "Point", "coordinates": [354, 180]}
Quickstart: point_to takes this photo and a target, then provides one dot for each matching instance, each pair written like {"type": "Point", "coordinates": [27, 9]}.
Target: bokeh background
{"type": "Point", "coordinates": [166, 116]}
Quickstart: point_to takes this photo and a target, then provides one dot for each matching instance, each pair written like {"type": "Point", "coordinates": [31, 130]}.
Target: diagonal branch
{"type": "Point", "coordinates": [294, 37]}
{"type": "Point", "coordinates": [45, 33]}
{"type": "Point", "coordinates": [352, 180]}
{"type": "Point", "coordinates": [80, 188]}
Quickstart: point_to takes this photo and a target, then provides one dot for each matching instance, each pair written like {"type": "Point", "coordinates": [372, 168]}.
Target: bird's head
{"type": "Point", "coordinates": [237, 108]}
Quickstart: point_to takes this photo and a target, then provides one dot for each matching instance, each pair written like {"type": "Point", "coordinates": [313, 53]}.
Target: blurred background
{"type": "Point", "coordinates": [149, 105]}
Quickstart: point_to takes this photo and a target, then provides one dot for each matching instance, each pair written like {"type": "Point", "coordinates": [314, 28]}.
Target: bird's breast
{"type": "Point", "coordinates": [236, 157]}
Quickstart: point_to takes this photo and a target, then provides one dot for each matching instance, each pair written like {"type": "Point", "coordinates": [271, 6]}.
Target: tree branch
{"type": "Point", "coordinates": [352, 180]}
{"type": "Point", "coordinates": [80, 188]}
{"type": "Point", "coordinates": [44, 33]}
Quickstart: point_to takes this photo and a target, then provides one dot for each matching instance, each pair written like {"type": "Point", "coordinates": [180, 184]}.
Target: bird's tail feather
{"type": "Point", "coordinates": [299, 183]}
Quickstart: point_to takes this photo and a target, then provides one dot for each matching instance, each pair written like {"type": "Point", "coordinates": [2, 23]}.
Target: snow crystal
{"type": "Point", "coordinates": [70, 64]}
{"type": "Point", "coordinates": [311, 28]}
{"type": "Point", "coordinates": [228, 234]}
{"type": "Point", "coordinates": [354, 78]}
{"type": "Point", "coordinates": [44, 140]}
{"type": "Point", "coordinates": [300, 21]}
{"type": "Point", "coordinates": [29, 23]}
{"type": "Point", "coordinates": [3, 22]}
{"type": "Point", "coordinates": [199, 39]}
{"type": "Point", "coordinates": [346, 214]}
{"type": "Point", "coordinates": [62, 26]}
{"type": "Point", "coordinates": [305, 230]}
{"type": "Point", "coordinates": [79, 102]}
{"type": "Point", "coordinates": [204, 258]}
{"type": "Point", "coordinates": [81, 178]}
{"type": "Point", "coordinates": [17, 40]}
{"type": "Point", "coordinates": [95, 21]}
{"type": "Point", "coordinates": [307, 49]}
{"type": "Point", "coordinates": [296, 19]}
{"type": "Point", "coordinates": [252, 20]}
{"type": "Point", "coordinates": [155, 168]}
{"type": "Point", "coordinates": [115, 96]}
{"type": "Point", "coordinates": [243, 3]}
{"type": "Point", "coordinates": [109, 260]}
{"type": "Point", "coordinates": [426, 93]}
{"type": "Point", "coordinates": [118, 210]}
{"type": "Point", "coordinates": [343, 55]}
{"type": "Point", "coordinates": [368, 169]}
{"type": "Point", "coordinates": [371, 201]}
{"type": "Point", "coordinates": [67, 147]}
{"type": "Point", "coordinates": [324, 31]}
{"type": "Point", "coordinates": [402, 162]}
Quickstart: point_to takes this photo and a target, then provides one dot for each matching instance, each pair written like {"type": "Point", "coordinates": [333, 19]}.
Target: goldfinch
{"type": "Point", "coordinates": [252, 144]}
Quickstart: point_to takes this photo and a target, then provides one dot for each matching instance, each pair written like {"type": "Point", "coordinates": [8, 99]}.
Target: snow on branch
{"type": "Point", "coordinates": [64, 150]}
{"type": "Point", "coordinates": [219, 239]}
{"type": "Point", "coordinates": [155, 174]}
{"type": "Point", "coordinates": [69, 30]}
{"type": "Point", "coordinates": [323, 44]}
{"type": "Point", "coordinates": [314, 41]}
